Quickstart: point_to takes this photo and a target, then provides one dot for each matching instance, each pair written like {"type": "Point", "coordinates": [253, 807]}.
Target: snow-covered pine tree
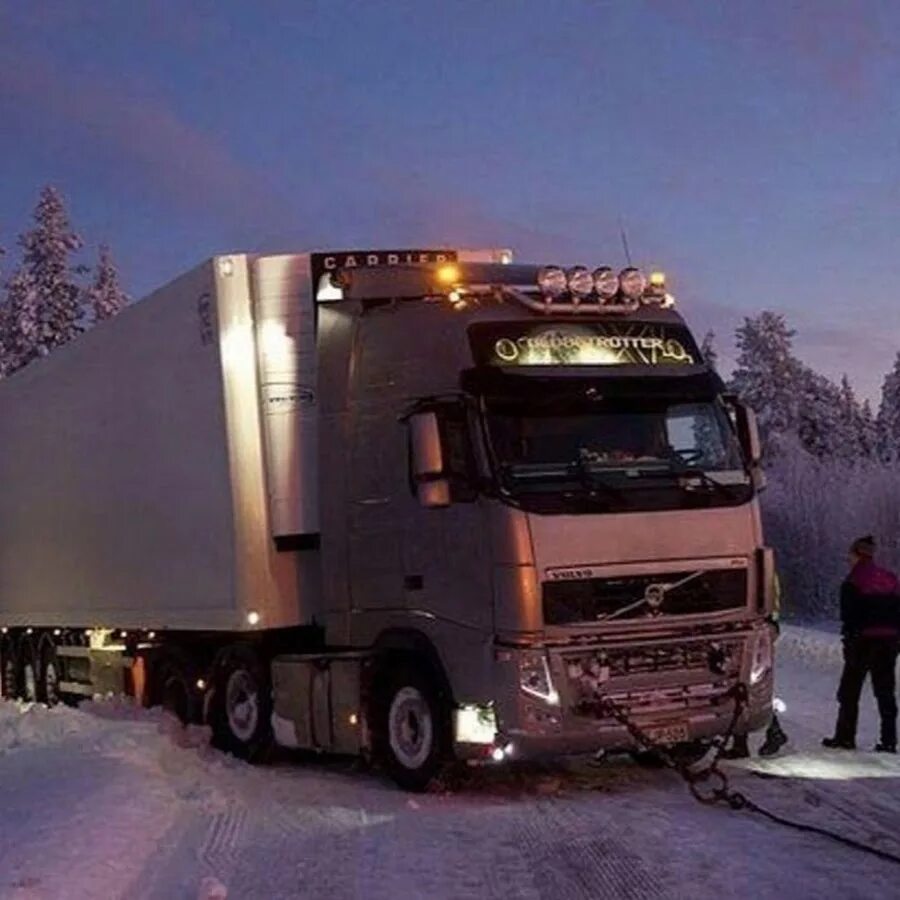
{"type": "Point", "coordinates": [20, 322]}
{"type": "Point", "coordinates": [868, 431]}
{"type": "Point", "coordinates": [767, 376]}
{"type": "Point", "coordinates": [708, 350]}
{"type": "Point", "coordinates": [820, 425]}
{"type": "Point", "coordinates": [46, 268]}
{"type": "Point", "coordinates": [105, 296]}
{"type": "Point", "coordinates": [850, 443]}
{"type": "Point", "coordinates": [889, 416]}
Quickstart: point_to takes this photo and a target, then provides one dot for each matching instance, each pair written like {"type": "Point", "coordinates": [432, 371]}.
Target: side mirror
{"type": "Point", "coordinates": [427, 460]}
{"type": "Point", "coordinates": [744, 420]}
{"type": "Point", "coordinates": [754, 445]}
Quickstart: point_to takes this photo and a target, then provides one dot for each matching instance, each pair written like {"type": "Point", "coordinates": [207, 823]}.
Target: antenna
{"type": "Point", "coordinates": [624, 241]}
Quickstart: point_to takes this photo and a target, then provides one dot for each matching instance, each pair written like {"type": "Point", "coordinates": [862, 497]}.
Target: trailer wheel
{"type": "Point", "coordinates": [28, 671]}
{"type": "Point", "coordinates": [173, 689]}
{"type": "Point", "coordinates": [48, 688]}
{"type": "Point", "coordinates": [241, 708]}
{"type": "Point", "coordinates": [9, 680]}
{"type": "Point", "coordinates": [411, 727]}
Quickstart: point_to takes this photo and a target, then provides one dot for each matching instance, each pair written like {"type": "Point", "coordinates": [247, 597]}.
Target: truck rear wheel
{"type": "Point", "coordinates": [48, 688]}
{"type": "Point", "coordinates": [9, 670]}
{"type": "Point", "coordinates": [411, 727]}
{"type": "Point", "coordinates": [241, 711]}
{"type": "Point", "coordinates": [173, 689]}
{"type": "Point", "coordinates": [28, 671]}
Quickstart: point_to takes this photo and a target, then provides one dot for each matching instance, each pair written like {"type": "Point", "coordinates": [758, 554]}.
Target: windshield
{"type": "Point", "coordinates": [666, 453]}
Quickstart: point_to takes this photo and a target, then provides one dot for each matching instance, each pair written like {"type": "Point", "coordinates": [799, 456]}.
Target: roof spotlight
{"type": "Point", "coordinates": [655, 293]}
{"type": "Point", "coordinates": [632, 283]}
{"type": "Point", "coordinates": [581, 284]}
{"type": "Point", "coordinates": [606, 283]}
{"type": "Point", "coordinates": [552, 282]}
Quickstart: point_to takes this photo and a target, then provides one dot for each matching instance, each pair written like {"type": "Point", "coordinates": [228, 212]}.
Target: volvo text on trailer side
{"type": "Point", "coordinates": [408, 504]}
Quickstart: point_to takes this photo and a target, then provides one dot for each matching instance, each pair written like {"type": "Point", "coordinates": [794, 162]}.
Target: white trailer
{"type": "Point", "coordinates": [288, 495]}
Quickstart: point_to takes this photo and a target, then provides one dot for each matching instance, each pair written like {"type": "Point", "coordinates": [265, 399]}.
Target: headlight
{"type": "Point", "coordinates": [606, 283]}
{"type": "Point", "coordinates": [552, 281]}
{"type": "Point", "coordinates": [762, 657]}
{"type": "Point", "coordinates": [534, 677]}
{"type": "Point", "coordinates": [581, 284]}
{"type": "Point", "coordinates": [632, 283]}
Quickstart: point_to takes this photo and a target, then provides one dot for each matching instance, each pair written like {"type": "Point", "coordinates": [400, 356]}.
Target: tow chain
{"type": "Point", "coordinates": [708, 784]}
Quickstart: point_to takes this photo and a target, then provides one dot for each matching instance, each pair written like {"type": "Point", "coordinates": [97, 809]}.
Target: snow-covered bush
{"type": "Point", "coordinates": [813, 509]}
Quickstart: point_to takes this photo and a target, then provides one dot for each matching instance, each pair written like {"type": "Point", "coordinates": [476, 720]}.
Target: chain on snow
{"type": "Point", "coordinates": [709, 784]}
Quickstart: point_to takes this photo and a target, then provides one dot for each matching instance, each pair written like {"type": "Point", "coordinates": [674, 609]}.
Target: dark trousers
{"type": "Point", "coordinates": [864, 656]}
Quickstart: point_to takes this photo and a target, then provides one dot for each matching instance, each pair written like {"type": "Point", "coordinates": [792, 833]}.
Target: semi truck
{"type": "Point", "coordinates": [408, 504]}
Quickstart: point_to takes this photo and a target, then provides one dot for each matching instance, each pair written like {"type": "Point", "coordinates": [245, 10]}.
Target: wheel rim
{"type": "Point", "coordinates": [242, 704]}
{"type": "Point", "coordinates": [51, 684]}
{"type": "Point", "coordinates": [29, 682]}
{"type": "Point", "coordinates": [410, 728]}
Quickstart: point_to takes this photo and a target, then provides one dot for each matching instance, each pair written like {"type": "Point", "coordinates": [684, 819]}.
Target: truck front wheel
{"type": "Point", "coordinates": [411, 727]}
{"type": "Point", "coordinates": [242, 704]}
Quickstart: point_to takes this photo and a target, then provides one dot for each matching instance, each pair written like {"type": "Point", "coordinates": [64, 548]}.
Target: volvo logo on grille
{"type": "Point", "coordinates": [654, 594]}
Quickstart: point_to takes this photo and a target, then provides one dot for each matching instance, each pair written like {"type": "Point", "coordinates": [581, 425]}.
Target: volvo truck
{"type": "Point", "coordinates": [409, 504]}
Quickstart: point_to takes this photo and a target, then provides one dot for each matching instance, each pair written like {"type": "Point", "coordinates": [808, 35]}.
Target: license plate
{"type": "Point", "coordinates": [668, 734]}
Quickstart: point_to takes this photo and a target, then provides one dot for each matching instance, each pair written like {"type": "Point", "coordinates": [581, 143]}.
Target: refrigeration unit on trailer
{"type": "Point", "coordinates": [411, 504]}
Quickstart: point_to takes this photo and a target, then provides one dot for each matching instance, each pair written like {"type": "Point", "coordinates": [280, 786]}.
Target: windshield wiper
{"type": "Point", "coordinates": [679, 469]}
{"type": "Point", "coordinates": [576, 470]}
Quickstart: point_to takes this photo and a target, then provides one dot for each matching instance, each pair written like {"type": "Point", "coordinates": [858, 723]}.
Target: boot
{"type": "Point", "coordinates": [738, 748]}
{"type": "Point", "coordinates": [885, 748]}
{"type": "Point", "coordinates": [836, 743]}
{"type": "Point", "coordinates": [775, 739]}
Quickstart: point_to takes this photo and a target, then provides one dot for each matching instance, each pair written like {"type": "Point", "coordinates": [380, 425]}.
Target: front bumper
{"type": "Point", "coordinates": [685, 683]}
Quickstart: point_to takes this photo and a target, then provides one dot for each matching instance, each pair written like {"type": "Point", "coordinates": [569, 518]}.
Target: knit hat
{"type": "Point", "coordinates": [864, 546]}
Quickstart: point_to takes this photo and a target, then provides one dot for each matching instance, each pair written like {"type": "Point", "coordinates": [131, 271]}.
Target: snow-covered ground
{"type": "Point", "coordinates": [106, 802]}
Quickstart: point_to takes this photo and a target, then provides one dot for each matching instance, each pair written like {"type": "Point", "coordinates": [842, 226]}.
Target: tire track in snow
{"type": "Point", "coordinates": [224, 835]}
{"type": "Point", "coordinates": [565, 862]}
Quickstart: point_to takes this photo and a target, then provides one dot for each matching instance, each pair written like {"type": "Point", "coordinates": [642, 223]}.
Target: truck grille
{"type": "Point", "coordinates": [589, 599]}
{"type": "Point", "coordinates": [653, 678]}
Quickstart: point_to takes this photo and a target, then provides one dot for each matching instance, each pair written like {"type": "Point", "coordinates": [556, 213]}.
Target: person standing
{"type": "Point", "coordinates": [870, 619]}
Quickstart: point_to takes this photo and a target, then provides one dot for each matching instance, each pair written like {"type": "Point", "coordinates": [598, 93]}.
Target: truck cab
{"type": "Point", "coordinates": [540, 497]}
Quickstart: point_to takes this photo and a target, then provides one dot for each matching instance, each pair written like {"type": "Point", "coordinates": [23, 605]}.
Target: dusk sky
{"type": "Point", "coordinates": [752, 149]}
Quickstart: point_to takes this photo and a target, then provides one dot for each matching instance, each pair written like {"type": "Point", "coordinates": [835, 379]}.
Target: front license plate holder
{"type": "Point", "coordinates": [668, 735]}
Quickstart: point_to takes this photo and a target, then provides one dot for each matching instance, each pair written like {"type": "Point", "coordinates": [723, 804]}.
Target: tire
{"type": "Point", "coordinates": [411, 726]}
{"type": "Point", "coordinates": [241, 707]}
{"type": "Point", "coordinates": [29, 672]}
{"type": "Point", "coordinates": [9, 670]}
{"type": "Point", "coordinates": [173, 689]}
{"type": "Point", "coordinates": [48, 683]}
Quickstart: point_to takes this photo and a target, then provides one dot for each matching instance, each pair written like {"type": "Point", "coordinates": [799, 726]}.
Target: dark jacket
{"type": "Point", "coordinates": [870, 602]}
